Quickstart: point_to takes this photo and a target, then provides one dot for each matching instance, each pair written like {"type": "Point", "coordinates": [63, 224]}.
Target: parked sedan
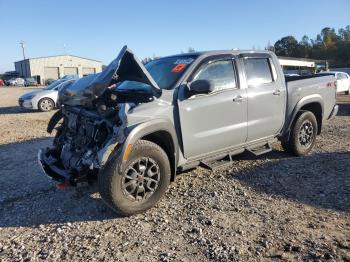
{"type": "Point", "coordinates": [30, 81]}
{"type": "Point", "coordinates": [343, 80]}
{"type": "Point", "coordinates": [15, 82]}
{"type": "Point", "coordinates": [44, 99]}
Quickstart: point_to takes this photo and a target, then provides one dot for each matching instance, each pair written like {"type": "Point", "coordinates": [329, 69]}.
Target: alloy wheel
{"type": "Point", "coordinates": [46, 105]}
{"type": "Point", "coordinates": [141, 179]}
{"type": "Point", "coordinates": [306, 134]}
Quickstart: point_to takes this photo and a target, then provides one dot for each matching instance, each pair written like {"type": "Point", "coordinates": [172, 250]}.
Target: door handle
{"type": "Point", "coordinates": [277, 92]}
{"type": "Point", "coordinates": [237, 99]}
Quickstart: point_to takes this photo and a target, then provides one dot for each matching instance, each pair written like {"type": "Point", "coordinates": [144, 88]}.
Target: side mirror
{"type": "Point", "coordinates": [201, 87]}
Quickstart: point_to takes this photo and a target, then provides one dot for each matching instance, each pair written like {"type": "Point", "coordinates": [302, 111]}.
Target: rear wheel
{"type": "Point", "coordinates": [303, 135]}
{"type": "Point", "coordinates": [140, 184]}
{"type": "Point", "coordinates": [46, 104]}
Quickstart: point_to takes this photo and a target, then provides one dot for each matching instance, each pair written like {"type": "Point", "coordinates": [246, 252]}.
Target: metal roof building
{"type": "Point", "coordinates": [302, 62]}
{"type": "Point", "coordinates": [55, 67]}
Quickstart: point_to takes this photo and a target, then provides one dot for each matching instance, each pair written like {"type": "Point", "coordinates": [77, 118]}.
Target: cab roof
{"type": "Point", "coordinates": [221, 52]}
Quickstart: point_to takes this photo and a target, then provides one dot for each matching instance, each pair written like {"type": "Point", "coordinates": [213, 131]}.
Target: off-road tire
{"type": "Point", "coordinates": [292, 144]}
{"type": "Point", "coordinates": [48, 106]}
{"type": "Point", "coordinates": [110, 180]}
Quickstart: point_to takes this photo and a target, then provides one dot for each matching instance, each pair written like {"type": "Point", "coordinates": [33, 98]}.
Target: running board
{"type": "Point", "coordinates": [215, 164]}
{"type": "Point", "coordinates": [259, 150]}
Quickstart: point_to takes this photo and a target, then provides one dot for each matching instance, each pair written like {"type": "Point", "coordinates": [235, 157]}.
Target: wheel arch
{"type": "Point", "coordinates": [312, 103]}
{"type": "Point", "coordinates": [160, 132]}
{"type": "Point", "coordinates": [317, 110]}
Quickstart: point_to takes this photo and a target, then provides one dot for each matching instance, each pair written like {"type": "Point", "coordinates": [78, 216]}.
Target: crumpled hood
{"type": "Point", "coordinates": [125, 67]}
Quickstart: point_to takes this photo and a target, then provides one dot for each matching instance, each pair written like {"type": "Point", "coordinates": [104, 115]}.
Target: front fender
{"type": "Point", "coordinates": [149, 127]}
{"type": "Point", "coordinates": [116, 149]}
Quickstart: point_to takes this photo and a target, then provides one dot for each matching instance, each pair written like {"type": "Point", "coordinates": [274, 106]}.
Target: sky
{"type": "Point", "coordinates": [99, 29]}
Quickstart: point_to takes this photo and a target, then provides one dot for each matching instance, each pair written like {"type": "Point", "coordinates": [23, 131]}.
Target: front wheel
{"type": "Point", "coordinates": [303, 135]}
{"type": "Point", "coordinates": [46, 104]}
{"type": "Point", "coordinates": [140, 184]}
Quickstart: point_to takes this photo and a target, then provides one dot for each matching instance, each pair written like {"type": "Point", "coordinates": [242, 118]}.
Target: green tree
{"type": "Point", "coordinates": [287, 46]}
{"type": "Point", "coordinates": [329, 37]}
{"type": "Point", "coordinates": [327, 45]}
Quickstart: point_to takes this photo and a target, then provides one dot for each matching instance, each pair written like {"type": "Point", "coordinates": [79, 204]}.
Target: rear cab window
{"type": "Point", "coordinates": [259, 71]}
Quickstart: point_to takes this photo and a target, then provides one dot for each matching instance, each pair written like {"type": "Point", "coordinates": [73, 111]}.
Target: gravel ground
{"type": "Point", "coordinates": [269, 208]}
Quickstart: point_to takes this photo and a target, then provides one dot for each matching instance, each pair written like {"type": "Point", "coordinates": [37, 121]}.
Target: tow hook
{"type": "Point", "coordinates": [63, 185]}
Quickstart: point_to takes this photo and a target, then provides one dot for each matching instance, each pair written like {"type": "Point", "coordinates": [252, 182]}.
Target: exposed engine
{"type": "Point", "coordinates": [79, 139]}
{"type": "Point", "coordinates": [87, 135]}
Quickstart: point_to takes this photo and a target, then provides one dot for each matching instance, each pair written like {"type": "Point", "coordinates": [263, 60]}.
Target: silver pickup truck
{"type": "Point", "coordinates": [132, 127]}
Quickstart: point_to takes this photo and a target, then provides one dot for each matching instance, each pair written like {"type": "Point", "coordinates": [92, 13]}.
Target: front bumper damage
{"type": "Point", "coordinates": [50, 169]}
{"type": "Point", "coordinates": [90, 135]}
{"type": "Point", "coordinates": [65, 165]}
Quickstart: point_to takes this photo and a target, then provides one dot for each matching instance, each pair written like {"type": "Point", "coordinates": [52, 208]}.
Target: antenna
{"type": "Point", "coordinates": [23, 51]}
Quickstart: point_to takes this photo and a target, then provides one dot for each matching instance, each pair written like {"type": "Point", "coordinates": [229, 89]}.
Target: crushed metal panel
{"type": "Point", "coordinates": [125, 67]}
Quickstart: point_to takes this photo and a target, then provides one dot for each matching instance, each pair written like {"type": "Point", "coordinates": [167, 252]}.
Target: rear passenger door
{"type": "Point", "coordinates": [266, 97]}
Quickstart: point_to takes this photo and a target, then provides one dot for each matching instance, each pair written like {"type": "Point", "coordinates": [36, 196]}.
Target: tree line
{"type": "Point", "coordinates": [329, 44]}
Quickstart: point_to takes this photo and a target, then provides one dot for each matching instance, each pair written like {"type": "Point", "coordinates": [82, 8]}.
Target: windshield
{"type": "Point", "coordinates": [54, 84]}
{"type": "Point", "coordinates": [165, 71]}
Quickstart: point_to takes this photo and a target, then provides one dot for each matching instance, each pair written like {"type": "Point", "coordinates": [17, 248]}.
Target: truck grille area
{"type": "Point", "coordinates": [80, 136]}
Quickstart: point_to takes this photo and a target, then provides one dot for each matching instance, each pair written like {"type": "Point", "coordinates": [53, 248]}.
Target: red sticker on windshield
{"type": "Point", "coordinates": [178, 68]}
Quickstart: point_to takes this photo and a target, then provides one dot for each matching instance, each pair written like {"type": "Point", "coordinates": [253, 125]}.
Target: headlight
{"type": "Point", "coordinates": [28, 97]}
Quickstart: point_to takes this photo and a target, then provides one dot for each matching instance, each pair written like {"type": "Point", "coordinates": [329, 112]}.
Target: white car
{"type": "Point", "coordinates": [44, 99]}
{"type": "Point", "coordinates": [16, 82]}
{"type": "Point", "coordinates": [343, 80]}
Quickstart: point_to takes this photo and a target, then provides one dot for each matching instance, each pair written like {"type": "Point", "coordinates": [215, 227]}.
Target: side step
{"type": "Point", "coordinates": [259, 150]}
{"type": "Point", "coordinates": [214, 164]}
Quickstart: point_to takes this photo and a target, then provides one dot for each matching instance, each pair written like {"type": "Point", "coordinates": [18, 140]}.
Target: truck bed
{"type": "Point", "coordinates": [321, 88]}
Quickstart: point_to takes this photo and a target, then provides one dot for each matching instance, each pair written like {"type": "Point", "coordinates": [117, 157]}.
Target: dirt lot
{"type": "Point", "coordinates": [269, 208]}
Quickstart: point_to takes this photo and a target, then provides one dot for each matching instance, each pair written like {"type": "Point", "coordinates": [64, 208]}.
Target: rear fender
{"type": "Point", "coordinates": [315, 98]}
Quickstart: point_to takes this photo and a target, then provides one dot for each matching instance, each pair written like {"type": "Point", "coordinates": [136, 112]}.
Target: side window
{"type": "Point", "coordinates": [258, 71]}
{"type": "Point", "coordinates": [221, 73]}
{"type": "Point", "coordinates": [338, 76]}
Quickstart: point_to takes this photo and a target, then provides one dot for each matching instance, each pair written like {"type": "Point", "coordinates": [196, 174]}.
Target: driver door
{"type": "Point", "coordinates": [216, 121]}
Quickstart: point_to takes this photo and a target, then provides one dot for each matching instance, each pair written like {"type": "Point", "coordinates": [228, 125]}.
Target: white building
{"type": "Point", "coordinates": [302, 65]}
{"type": "Point", "coordinates": [55, 67]}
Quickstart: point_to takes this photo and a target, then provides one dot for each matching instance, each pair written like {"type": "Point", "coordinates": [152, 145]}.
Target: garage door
{"type": "Point", "coordinates": [88, 71]}
{"type": "Point", "coordinates": [70, 71]}
{"type": "Point", "coordinates": [51, 73]}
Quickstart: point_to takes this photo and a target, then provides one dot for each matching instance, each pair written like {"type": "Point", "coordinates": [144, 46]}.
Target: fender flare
{"type": "Point", "coordinates": [315, 98]}
{"type": "Point", "coordinates": [149, 127]}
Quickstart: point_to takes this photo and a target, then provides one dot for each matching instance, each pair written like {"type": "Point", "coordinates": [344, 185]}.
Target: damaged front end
{"type": "Point", "coordinates": [83, 143]}
{"type": "Point", "coordinates": [91, 123]}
